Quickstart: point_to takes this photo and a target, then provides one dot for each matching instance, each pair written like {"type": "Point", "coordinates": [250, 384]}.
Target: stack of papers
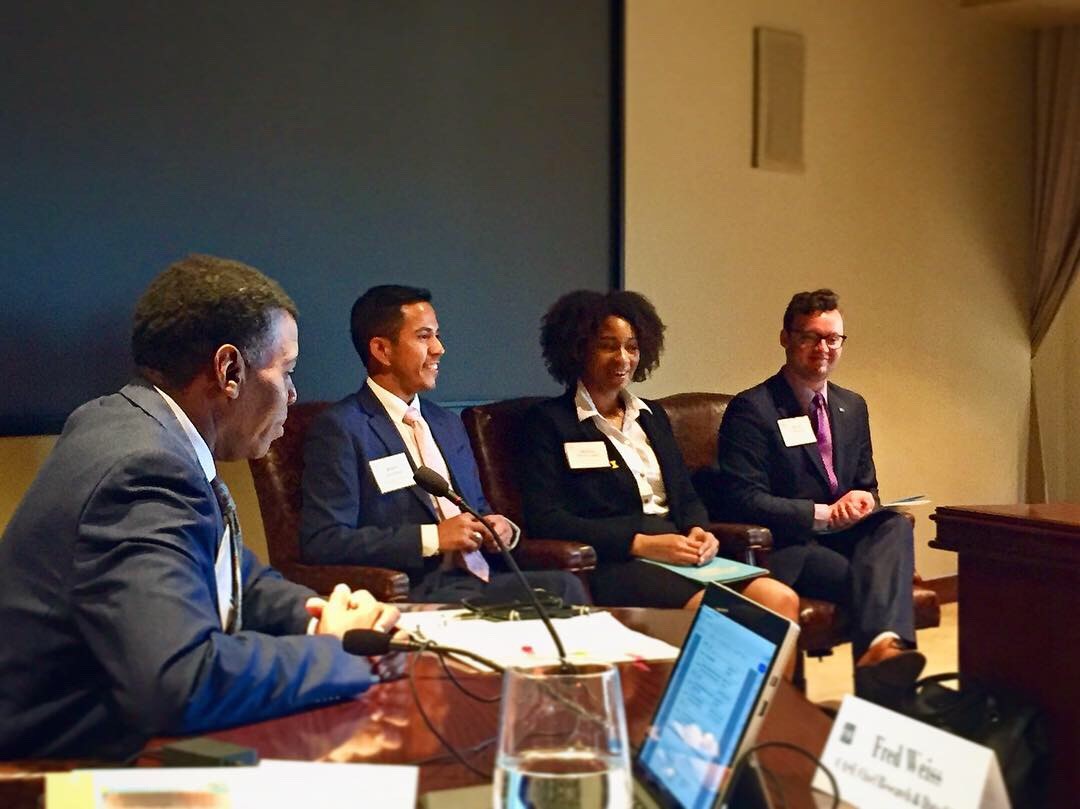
{"type": "Point", "coordinates": [593, 638]}
{"type": "Point", "coordinates": [271, 784]}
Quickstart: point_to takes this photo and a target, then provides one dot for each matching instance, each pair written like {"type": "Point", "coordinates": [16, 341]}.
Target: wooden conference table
{"type": "Point", "coordinates": [385, 726]}
{"type": "Point", "coordinates": [1019, 628]}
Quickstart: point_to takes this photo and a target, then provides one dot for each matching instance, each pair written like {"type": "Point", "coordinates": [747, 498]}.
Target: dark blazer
{"type": "Point", "coordinates": [762, 481]}
{"type": "Point", "coordinates": [109, 604]}
{"type": "Point", "coordinates": [601, 507]}
{"type": "Point", "coordinates": [345, 519]}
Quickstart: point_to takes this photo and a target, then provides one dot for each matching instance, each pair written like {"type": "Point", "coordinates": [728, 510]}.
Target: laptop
{"type": "Point", "coordinates": [715, 701]}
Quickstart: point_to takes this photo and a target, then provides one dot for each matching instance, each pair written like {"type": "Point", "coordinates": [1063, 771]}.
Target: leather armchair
{"type": "Point", "coordinates": [277, 484]}
{"type": "Point", "coordinates": [695, 419]}
{"type": "Point", "coordinates": [494, 431]}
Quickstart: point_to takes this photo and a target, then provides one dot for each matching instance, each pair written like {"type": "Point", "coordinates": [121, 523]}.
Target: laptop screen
{"type": "Point", "coordinates": [705, 710]}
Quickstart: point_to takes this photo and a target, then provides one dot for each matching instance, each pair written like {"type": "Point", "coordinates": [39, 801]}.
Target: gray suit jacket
{"type": "Point", "coordinates": [108, 600]}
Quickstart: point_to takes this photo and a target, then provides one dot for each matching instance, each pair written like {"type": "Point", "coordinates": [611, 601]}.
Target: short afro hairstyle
{"type": "Point", "coordinates": [572, 322]}
{"type": "Point", "coordinates": [377, 313]}
{"type": "Point", "coordinates": [199, 304]}
{"type": "Point", "coordinates": [810, 303]}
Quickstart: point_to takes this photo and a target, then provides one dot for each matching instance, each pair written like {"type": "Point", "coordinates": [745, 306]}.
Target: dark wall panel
{"type": "Point", "coordinates": [463, 145]}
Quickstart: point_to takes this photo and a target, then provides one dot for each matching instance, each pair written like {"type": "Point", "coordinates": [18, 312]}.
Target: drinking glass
{"type": "Point", "coordinates": [562, 740]}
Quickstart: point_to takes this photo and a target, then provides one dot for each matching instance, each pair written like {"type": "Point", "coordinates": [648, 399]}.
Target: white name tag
{"type": "Point", "coordinates": [796, 431]}
{"type": "Point", "coordinates": [392, 473]}
{"type": "Point", "coordinates": [885, 759]}
{"type": "Point", "coordinates": [586, 454]}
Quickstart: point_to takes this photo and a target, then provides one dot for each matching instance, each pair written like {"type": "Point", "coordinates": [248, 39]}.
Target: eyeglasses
{"type": "Point", "coordinates": [809, 339]}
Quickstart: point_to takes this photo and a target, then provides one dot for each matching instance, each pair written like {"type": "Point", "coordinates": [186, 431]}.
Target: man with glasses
{"type": "Point", "coordinates": [795, 455]}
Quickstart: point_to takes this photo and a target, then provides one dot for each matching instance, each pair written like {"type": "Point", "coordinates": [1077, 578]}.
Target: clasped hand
{"type": "Point", "coordinates": [466, 533]}
{"type": "Point", "coordinates": [698, 547]}
{"type": "Point", "coordinates": [850, 508]}
{"type": "Point", "coordinates": [347, 609]}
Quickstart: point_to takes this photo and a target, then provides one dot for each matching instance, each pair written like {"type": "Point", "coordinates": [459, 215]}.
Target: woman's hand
{"type": "Point", "coordinates": [698, 547]}
{"type": "Point", "coordinates": [708, 544]}
{"type": "Point", "coordinates": [674, 549]}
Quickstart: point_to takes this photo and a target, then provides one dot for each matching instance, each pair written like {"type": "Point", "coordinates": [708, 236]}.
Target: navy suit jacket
{"type": "Point", "coordinates": [599, 506]}
{"type": "Point", "coordinates": [762, 481]}
{"type": "Point", "coordinates": [345, 518]}
{"type": "Point", "coordinates": [109, 607]}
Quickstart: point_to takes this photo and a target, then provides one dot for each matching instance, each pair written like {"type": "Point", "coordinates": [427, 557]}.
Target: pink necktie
{"type": "Point", "coordinates": [473, 561]}
{"type": "Point", "coordinates": [819, 415]}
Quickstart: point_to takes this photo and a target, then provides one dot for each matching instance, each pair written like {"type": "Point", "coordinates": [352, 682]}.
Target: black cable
{"type": "Point", "coordinates": [740, 765]}
{"type": "Point", "coordinates": [775, 787]}
{"type": "Point", "coordinates": [565, 664]}
{"type": "Point", "coordinates": [476, 748]}
{"type": "Point", "coordinates": [411, 666]}
{"type": "Point", "coordinates": [453, 678]}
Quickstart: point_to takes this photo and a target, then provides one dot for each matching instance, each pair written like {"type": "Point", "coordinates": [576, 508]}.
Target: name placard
{"type": "Point", "coordinates": [882, 759]}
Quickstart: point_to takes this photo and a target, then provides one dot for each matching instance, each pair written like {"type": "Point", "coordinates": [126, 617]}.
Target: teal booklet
{"type": "Point", "coordinates": [719, 570]}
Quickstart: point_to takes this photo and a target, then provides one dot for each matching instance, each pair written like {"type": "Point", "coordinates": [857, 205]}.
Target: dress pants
{"type": "Point", "coordinates": [868, 568]}
{"type": "Point", "coordinates": [452, 585]}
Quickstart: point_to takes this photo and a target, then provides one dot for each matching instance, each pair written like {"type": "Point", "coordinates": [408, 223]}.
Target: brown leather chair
{"type": "Point", "coordinates": [495, 430]}
{"type": "Point", "coordinates": [695, 419]}
{"type": "Point", "coordinates": [277, 484]}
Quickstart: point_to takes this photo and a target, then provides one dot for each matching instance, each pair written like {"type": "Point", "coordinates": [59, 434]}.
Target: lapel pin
{"type": "Point", "coordinates": [614, 465]}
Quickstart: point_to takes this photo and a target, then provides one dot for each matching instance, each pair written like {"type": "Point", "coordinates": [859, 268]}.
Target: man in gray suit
{"type": "Point", "coordinates": [130, 606]}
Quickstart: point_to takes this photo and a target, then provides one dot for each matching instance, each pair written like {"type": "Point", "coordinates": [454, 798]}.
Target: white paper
{"type": "Point", "coordinates": [796, 431]}
{"type": "Point", "coordinates": [392, 473]}
{"type": "Point", "coordinates": [598, 637]}
{"type": "Point", "coordinates": [269, 785]}
{"type": "Point", "coordinates": [586, 454]}
{"type": "Point", "coordinates": [321, 784]}
{"type": "Point", "coordinates": [904, 502]}
{"type": "Point", "coordinates": [883, 759]}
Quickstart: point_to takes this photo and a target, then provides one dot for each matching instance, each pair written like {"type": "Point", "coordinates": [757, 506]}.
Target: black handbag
{"type": "Point", "coordinates": [1012, 728]}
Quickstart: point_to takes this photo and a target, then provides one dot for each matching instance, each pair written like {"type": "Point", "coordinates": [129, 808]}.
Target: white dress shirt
{"type": "Point", "coordinates": [396, 408]}
{"type": "Point", "coordinates": [223, 570]}
{"type": "Point", "coordinates": [632, 444]}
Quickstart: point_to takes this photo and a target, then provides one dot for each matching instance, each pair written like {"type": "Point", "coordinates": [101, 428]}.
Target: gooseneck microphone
{"type": "Point", "coordinates": [436, 485]}
{"type": "Point", "coordinates": [371, 642]}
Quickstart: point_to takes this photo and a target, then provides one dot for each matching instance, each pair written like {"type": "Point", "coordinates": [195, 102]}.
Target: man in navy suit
{"type": "Point", "coordinates": [360, 503]}
{"type": "Point", "coordinates": [129, 605]}
{"type": "Point", "coordinates": [795, 456]}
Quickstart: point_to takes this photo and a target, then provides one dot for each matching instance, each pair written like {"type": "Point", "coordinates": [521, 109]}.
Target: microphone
{"type": "Point", "coordinates": [436, 485]}
{"type": "Point", "coordinates": [371, 642]}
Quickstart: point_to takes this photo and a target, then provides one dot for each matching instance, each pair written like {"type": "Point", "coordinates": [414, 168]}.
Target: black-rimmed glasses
{"type": "Point", "coordinates": [808, 339]}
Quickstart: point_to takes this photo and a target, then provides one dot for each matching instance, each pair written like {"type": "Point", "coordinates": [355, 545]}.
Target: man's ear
{"type": "Point", "coordinates": [230, 370]}
{"type": "Point", "coordinates": [783, 337]}
{"type": "Point", "coordinates": [380, 348]}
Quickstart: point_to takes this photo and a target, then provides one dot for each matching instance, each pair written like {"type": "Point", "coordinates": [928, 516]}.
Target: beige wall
{"type": "Point", "coordinates": [914, 205]}
{"type": "Point", "coordinates": [20, 458]}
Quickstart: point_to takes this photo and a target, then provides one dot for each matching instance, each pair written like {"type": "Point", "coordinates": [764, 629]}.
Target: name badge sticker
{"type": "Point", "coordinates": [586, 454]}
{"type": "Point", "coordinates": [796, 431]}
{"type": "Point", "coordinates": [392, 473]}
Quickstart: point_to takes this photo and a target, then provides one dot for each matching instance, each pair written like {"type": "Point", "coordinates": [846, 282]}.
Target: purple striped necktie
{"type": "Point", "coordinates": [819, 416]}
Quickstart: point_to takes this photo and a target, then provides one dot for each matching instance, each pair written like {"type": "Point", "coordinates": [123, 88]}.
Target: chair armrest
{"type": "Point", "coordinates": [385, 584]}
{"type": "Point", "coordinates": [555, 554]}
{"type": "Point", "coordinates": [745, 543]}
